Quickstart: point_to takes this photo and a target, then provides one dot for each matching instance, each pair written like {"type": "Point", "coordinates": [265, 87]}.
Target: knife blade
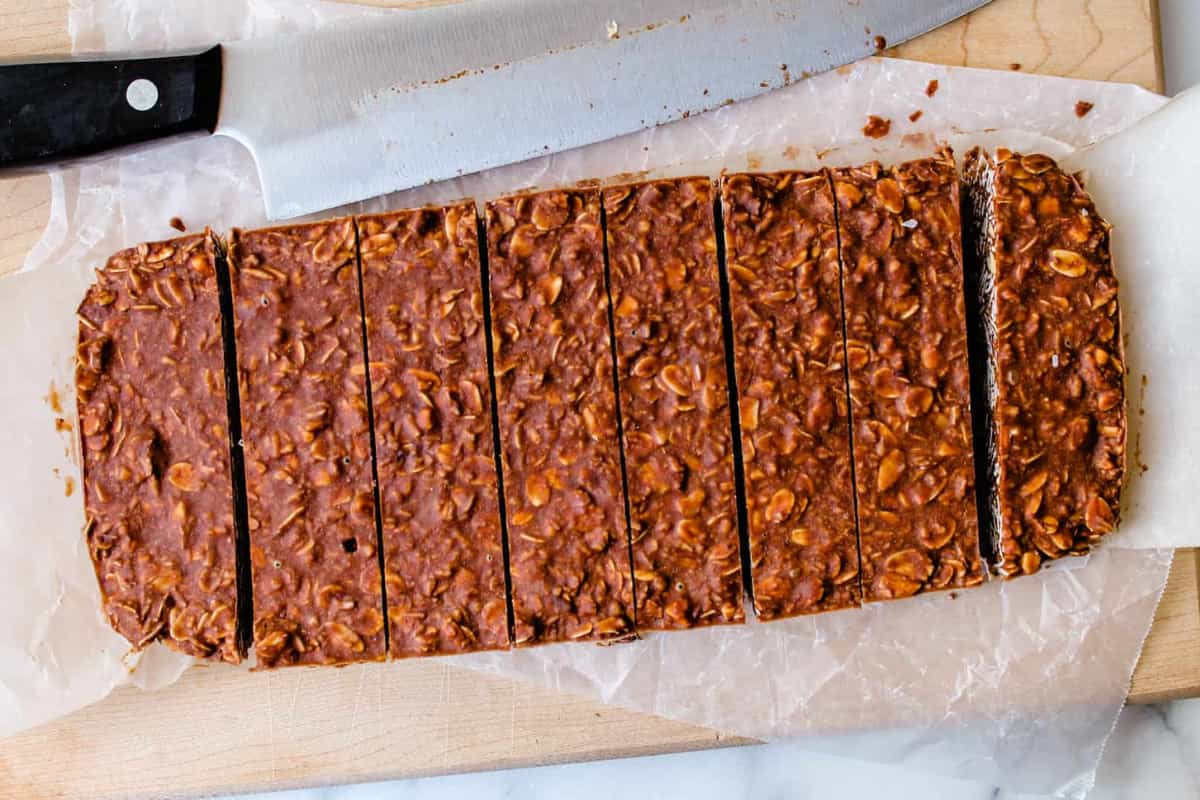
{"type": "Point", "coordinates": [360, 109]}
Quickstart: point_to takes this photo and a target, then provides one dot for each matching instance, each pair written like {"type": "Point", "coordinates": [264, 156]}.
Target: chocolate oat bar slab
{"type": "Point", "coordinates": [302, 384]}
{"type": "Point", "coordinates": [442, 548]}
{"type": "Point", "coordinates": [569, 561]}
{"type": "Point", "coordinates": [674, 399]}
{"type": "Point", "coordinates": [158, 492]}
{"type": "Point", "coordinates": [789, 356]}
{"type": "Point", "coordinates": [1049, 316]}
{"type": "Point", "coordinates": [906, 352]}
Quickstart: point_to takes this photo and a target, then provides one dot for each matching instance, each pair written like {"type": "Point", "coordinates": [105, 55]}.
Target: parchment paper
{"type": "Point", "coordinates": [1016, 683]}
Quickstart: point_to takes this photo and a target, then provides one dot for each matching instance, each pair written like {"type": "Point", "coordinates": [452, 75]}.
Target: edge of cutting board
{"type": "Point", "coordinates": [221, 730]}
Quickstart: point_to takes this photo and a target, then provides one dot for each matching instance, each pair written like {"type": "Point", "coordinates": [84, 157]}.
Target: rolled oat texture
{"type": "Point", "coordinates": [302, 383]}
{"type": "Point", "coordinates": [432, 409]}
{"type": "Point", "coordinates": [154, 428]}
{"type": "Point", "coordinates": [789, 357]}
{"type": "Point", "coordinates": [1051, 318]}
{"type": "Point", "coordinates": [674, 398]}
{"type": "Point", "coordinates": [906, 346]}
{"type": "Point", "coordinates": [568, 543]}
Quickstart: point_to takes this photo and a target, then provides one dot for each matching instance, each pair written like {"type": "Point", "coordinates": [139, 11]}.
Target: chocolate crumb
{"type": "Point", "coordinates": [877, 127]}
{"type": "Point", "coordinates": [1015, 66]}
{"type": "Point", "coordinates": [932, 88]}
{"type": "Point", "coordinates": [1083, 108]}
{"type": "Point", "coordinates": [177, 224]}
{"type": "Point", "coordinates": [916, 115]}
{"type": "Point", "coordinates": [53, 399]}
{"type": "Point", "coordinates": [880, 43]}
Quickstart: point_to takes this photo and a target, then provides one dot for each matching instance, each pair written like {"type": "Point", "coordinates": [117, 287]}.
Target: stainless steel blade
{"type": "Point", "coordinates": [407, 98]}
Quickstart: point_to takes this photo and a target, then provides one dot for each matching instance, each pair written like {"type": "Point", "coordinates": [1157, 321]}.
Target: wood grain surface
{"type": "Point", "coordinates": [223, 730]}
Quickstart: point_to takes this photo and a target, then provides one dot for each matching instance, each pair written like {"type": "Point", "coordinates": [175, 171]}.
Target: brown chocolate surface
{"type": "Point", "coordinates": [666, 296]}
{"type": "Point", "coordinates": [301, 375]}
{"type": "Point", "coordinates": [155, 443]}
{"type": "Point", "coordinates": [1059, 419]}
{"type": "Point", "coordinates": [781, 251]}
{"type": "Point", "coordinates": [443, 556]}
{"type": "Point", "coordinates": [569, 556]}
{"type": "Point", "coordinates": [902, 278]}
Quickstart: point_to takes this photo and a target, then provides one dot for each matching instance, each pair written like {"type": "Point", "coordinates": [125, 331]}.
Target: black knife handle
{"type": "Point", "coordinates": [61, 110]}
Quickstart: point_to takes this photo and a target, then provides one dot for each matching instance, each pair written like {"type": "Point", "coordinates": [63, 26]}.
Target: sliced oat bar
{"type": "Point", "coordinates": [1053, 383]}
{"type": "Point", "coordinates": [674, 398]}
{"type": "Point", "coordinates": [302, 384]}
{"type": "Point", "coordinates": [158, 492]}
{"type": "Point", "coordinates": [443, 555]}
{"type": "Point", "coordinates": [785, 298]}
{"type": "Point", "coordinates": [906, 346]}
{"type": "Point", "coordinates": [569, 559]}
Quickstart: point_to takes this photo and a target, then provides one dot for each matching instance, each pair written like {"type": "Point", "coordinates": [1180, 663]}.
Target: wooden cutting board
{"type": "Point", "coordinates": [220, 730]}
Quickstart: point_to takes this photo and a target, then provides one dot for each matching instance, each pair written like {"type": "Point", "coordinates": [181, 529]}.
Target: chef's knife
{"type": "Point", "coordinates": [405, 98]}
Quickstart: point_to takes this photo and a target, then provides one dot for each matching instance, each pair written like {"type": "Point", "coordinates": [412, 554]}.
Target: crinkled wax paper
{"type": "Point", "coordinates": [1016, 683]}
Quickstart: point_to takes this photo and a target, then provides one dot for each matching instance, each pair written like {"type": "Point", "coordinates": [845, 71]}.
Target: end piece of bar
{"type": "Point", "coordinates": [560, 451]}
{"type": "Point", "coordinates": [674, 398]}
{"type": "Point", "coordinates": [443, 555]}
{"type": "Point", "coordinates": [906, 345]}
{"type": "Point", "coordinates": [781, 250]}
{"type": "Point", "coordinates": [158, 490]}
{"type": "Point", "coordinates": [311, 504]}
{"type": "Point", "coordinates": [1051, 323]}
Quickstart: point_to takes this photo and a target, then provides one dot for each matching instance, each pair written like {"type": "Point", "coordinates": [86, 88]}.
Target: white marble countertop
{"type": "Point", "coordinates": [1180, 20]}
{"type": "Point", "coordinates": [1153, 753]}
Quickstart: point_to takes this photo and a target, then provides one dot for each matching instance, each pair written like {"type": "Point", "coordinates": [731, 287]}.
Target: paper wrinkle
{"type": "Point", "coordinates": [1016, 683]}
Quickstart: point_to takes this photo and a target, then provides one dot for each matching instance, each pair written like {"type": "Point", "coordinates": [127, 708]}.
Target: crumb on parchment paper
{"type": "Point", "coordinates": [1083, 108]}
{"type": "Point", "coordinates": [877, 127]}
{"type": "Point", "coordinates": [54, 399]}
